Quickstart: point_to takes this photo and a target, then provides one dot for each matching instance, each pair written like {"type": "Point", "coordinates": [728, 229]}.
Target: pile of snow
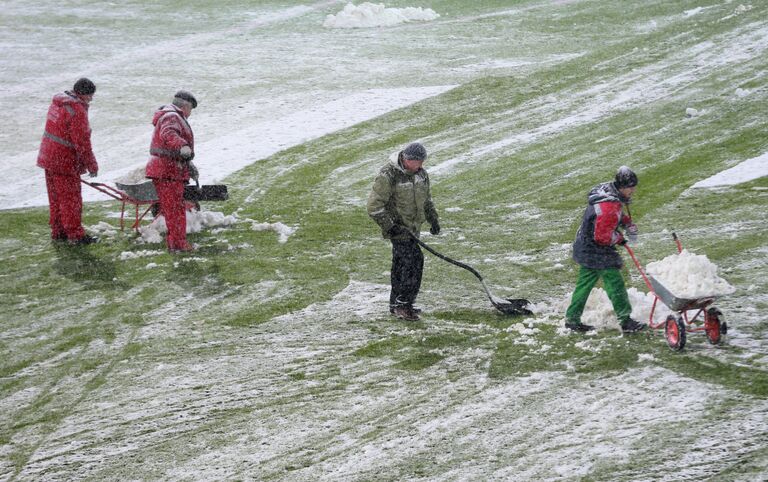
{"type": "Point", "coordinates": [688, 275]}
{"type": "Point", "coordinates": [103, 229]}
{"type": "Point", "coordinates": [280, 228]}
{"type": "Point", "coordinates": [196, 222]}
{"type": "Point", "coordinates": [598, 311]}
{"type": "Point", "coordinates": [367, 15]}
{"type": "Point", "coordinates": [137, 176]}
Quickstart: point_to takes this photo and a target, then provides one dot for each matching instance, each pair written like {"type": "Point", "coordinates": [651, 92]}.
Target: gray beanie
{"type": "Point", "coordinates": [625, 177]}
{"type": "Point", "coordinates": [415, 151]}
{"type": "Point", "coordinates": [186, 96]}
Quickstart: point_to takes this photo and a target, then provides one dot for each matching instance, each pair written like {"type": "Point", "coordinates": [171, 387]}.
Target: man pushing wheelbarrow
{"type": "Point", "coordinates": [595, 250]}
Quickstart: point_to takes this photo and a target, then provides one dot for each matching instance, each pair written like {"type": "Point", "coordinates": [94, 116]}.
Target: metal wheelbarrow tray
{"type": "Point", "coordinates": [145, 191]}
{"type": "Point", "coordinates": [144, 194]}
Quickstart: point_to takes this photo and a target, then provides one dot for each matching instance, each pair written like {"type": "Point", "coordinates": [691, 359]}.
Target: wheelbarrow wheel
{"type": "Point", "coordinates": [674, 331]}
{"type": "Point", "coordinates": [713, 326]}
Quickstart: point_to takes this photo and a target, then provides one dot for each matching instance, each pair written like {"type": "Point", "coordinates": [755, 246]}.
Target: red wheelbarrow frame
{"type": "Point", "coordinates": [675, 328]}
{"type": "Point", "coordinates": [124, 199]}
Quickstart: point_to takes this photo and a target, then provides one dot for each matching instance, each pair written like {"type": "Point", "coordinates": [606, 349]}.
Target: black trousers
{"type": "Point", "coordinates": [407, 267]}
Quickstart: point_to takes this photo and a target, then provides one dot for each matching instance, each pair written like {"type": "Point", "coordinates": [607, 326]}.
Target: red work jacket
{"type": "Point", "coordinates": [66, 145]}
{"type": "Point", "coordinates": [172, 132]}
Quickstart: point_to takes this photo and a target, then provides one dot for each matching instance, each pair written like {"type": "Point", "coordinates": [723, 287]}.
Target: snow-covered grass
{"type": "Point", "coordinates": [259, 359]}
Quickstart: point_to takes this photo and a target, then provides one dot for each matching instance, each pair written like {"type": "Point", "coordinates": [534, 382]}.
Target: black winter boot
{"type": "Point", "coordinates": [631, 326]}
{"type": "Point", "coordinates": [578, 326]}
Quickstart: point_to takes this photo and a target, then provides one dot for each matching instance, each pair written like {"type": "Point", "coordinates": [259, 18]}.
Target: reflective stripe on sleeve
{"type": "Point", "coordinates": [58, 140]}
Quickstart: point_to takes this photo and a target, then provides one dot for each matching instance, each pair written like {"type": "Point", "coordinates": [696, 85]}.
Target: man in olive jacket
{"type": "Point", "coordinates": [400, 202]}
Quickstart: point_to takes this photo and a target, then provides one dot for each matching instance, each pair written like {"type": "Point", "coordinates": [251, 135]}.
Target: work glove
{"type": "Point", "coordinates": [435, 229]}
{"type": "Point", "coordinates": [193, 172]}
{"type": "Point", "coordinates": [186, 153]}
{"type": "Point", "coordinates": [631, 232]}
{"type": "Point", "coordinates": [92, 173]}
{"type": "Point", "coordinates": [397, 230]}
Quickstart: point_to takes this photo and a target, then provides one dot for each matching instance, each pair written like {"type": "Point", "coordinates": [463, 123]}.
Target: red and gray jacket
{"type": "Point", "coordinates": [172, 132]}
{"type": "Point", "coordinates": [66, 145]}
{"type": "Point", "coordinates": [595, 242]}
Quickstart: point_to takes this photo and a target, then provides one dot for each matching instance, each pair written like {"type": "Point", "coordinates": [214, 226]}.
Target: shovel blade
{"type": "Point", "coordinates": [516, 306]}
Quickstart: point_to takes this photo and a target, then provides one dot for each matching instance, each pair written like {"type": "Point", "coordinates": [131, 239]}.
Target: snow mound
{"type": "Point", "coordinates": [369, 15]}
{"type": "Point", "coordinates": [280, 228]}
{"type": "Point", "coordinates": [598, 311]}
{"type": "Point", "coordinates": [103, 228]}
{"type": "Point", "coordinates": [689, 275]}
{"type": "Point", "coordinates": [137, 176]}
{"type": "Point", "coordinates": [196, 222]}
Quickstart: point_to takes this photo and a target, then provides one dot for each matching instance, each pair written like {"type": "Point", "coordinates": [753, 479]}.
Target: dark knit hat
{"type": "Point", "coordinates": [186, 96]}
{"type": "Point", "coordinates": [625, 177]}
{"type": "Point", "coordinates": [84, 87]}
{"type": "Point", "coordinates": [415, 151]}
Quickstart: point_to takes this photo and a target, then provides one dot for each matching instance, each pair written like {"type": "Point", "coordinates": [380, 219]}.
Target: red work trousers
{"type": "Point", "coordinates": [66, 206]}
{"type": "Point", "coordinates": [171, 196]}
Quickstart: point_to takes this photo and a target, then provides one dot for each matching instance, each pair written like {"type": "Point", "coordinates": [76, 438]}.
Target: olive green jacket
{"type": "Point", "coordinates": [399, 197]}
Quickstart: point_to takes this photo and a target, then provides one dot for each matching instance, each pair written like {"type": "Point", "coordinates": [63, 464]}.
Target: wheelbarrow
{"type": "Point", "coordinates": [675, 327]}
{"type": "Point", "coordinates": [143, 195]}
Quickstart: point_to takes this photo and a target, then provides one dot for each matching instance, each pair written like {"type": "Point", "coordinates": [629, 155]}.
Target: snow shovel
{"type": "Point", "coordinates": [507, 306]}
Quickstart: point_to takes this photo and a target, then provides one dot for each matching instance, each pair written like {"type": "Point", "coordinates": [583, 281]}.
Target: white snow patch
{"type": "Point", "coordinates": [226, 154]}
{"type": "Point", "coordinates": [103, 228]}
{"type": "Point", "coordinates": [646, 357]}
{"type": "Point", "coordinates": [746, 171]}
{"type": "Point", "coordinates": [126, 255]}
{"type": "Point", "coordinates": [370, 15]}
{"type": "Point", "coordinates": [689, 275]}
{"type": "Point", "coordinates": [742, 92]}
{"type": "Point", "coordinates": [196, 222]}
{"type": "Point", "coordinates": [284, 231]}
{"type": "Point", "coordinates": [453, 210]}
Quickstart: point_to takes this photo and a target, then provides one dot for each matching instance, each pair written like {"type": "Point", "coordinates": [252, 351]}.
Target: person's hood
{"type": "Point", "coordinates": [399, 166]}
{"type": "Point", "coordinates": [164, 110]}
{"type": "Point", "coordinates": [605, 192]}
{"type": "Point", "coordinates": [67, 98]}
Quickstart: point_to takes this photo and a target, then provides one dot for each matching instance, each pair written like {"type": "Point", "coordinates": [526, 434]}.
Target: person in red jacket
{"type": "Point", "coordinates": [595, 250]}
{"type": "Point", "coordinates": [170, 165]}
{"type": "Point", "coordinates": [65, 154]}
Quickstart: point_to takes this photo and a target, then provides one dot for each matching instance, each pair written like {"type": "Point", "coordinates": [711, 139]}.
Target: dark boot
{"type": "Point", "coordinates": [578, 326]}
{"type": "Point", "coordinates": [631, 326]}
{"type": "Point", "coordinates": [87, 239]}
{"type": "Point", "coordinates": [406, 313]}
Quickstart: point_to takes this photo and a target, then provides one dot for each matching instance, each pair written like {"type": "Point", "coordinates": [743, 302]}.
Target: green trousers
{"type": "Point", "coordinates": [613, 283]}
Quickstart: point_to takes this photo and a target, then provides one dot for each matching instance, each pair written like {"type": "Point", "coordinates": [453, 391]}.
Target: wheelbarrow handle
{"type": "Point", "coordinates": [639, 268]}
{"type": "Point", "coordinates": [677, 241]}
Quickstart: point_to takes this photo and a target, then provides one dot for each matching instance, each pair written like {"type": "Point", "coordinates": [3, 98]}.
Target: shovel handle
{"type": "Point", "coordinates": [446, 258]}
